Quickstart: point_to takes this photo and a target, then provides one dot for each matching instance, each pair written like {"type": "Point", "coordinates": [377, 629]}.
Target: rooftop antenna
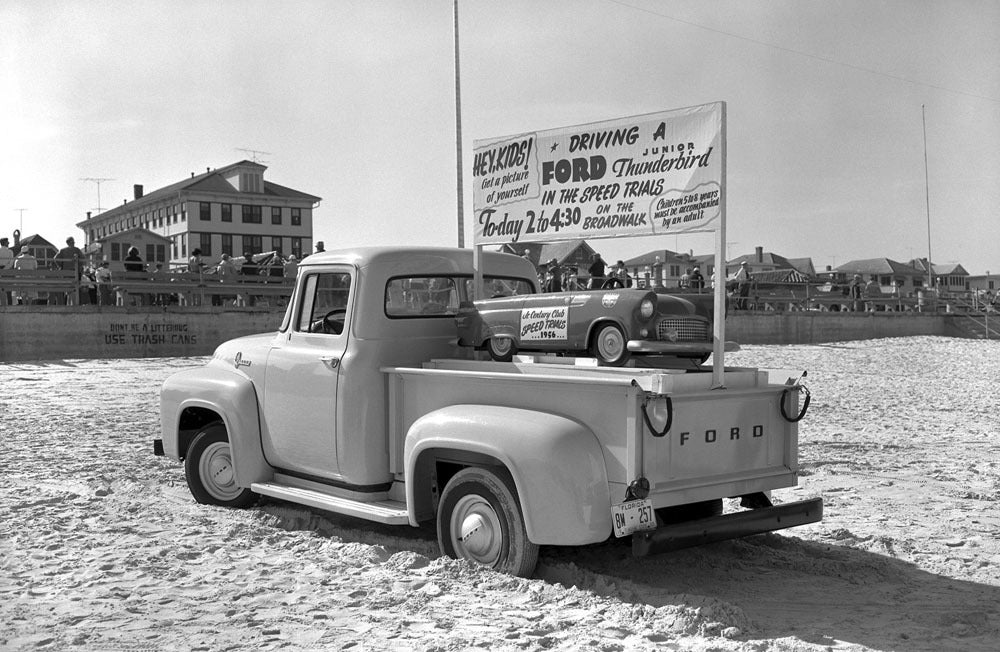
{"type": "Point", "coordinates": [21, 219]}
{"type": "Point", "coordinates": [927, 197]}
{"type": "Point", "coordinates": [98, 181]}
{"type": "Point", "coordinates": [253, 154]}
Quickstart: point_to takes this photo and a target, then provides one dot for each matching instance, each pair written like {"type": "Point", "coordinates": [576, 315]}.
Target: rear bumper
{"type": "Point", "coordinates": [727, 526]}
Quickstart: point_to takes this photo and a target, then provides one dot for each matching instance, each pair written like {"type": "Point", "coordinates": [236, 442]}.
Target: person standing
{"type": "Point", "coordinates": [553, 277]}
{"type": "Point", "coordinates": [291, 266]}
{"type": "Point", "coordinates": [6, 262]}
{"type": "Point", "coordinates": [596, 271]}
{"type": "Point", "coordinates": [133, 261]}
{"type": "Point", "coordinates": [696, 280]}
{"type": "Point", "coordinates": [249, 268]}
{"type": "Point", "coordinates": [70, 258]}
{"type": "Point", "coordinates": [656, 280]}
{"type": "Point", "coordinates": [855, 291]}
{"type": "Point", "coordinates": [102, 275]}
{"type": "Point", "coordinates": [27, 262]}
{"type": "Point", "coordinates": [742, 280]}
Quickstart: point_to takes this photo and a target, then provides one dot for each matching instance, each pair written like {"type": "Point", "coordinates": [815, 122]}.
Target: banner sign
{"type": "Point", "coordinates": [653, 174]}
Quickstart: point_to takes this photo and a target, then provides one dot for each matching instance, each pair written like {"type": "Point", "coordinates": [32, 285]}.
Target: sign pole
{"type": "Point", "coordinates": [719, 325]}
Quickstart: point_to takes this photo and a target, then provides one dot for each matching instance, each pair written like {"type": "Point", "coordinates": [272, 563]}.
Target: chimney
{"type": "Point", "coordinates": [760, 254]}
{"type": "Point", "coordinates": [207, 170]}
{"type": "Point", "coordinates": [88, 215]}
{"type": "Point", "coordinates": [137, 190]}
{"type": "Point", "coordinates": [829, 268]}
{"type": "Point", "coordinates": [192, 175]}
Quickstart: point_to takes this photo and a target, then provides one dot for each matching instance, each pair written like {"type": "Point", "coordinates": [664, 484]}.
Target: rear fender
{"type": "Point", "coordinates": [557, 465]}
{"type": "Point", "coordinates": [208, 391]}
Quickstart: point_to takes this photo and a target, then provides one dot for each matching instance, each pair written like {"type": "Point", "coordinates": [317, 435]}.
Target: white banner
{"type": "Point", "coordinates": [655, 174]}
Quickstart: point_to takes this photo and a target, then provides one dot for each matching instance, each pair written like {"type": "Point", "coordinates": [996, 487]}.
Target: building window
{"type": "Point", "coordinates": [206, 244]}
{"type": "Point", "coordinates": [296, 217]}
{"type": "Point", "coordinates": [116, 251]}
{"type": "Point", "coordinates": [297, 246]}
{"type": "Point", "coordinates": [253, 244]}
{"type": "Point", "coordinates": [184, 246]}
{"type": "Point", "coordinates": [227, 212]}
{"type": "Point", "coordinates": [252, 215]}
{"type": "Point", "coordinates": [173, 247]}
{"type": "Point", "coordinates": [276, 244]}
{"type": "Point", "coordinates": [150, 253]}
{"type": "Point", "coordinates": [227, 243]}
{"type": "Point", "coordinates": [205, 211]}
{"type": "Point", "coordinates": [275, 215]}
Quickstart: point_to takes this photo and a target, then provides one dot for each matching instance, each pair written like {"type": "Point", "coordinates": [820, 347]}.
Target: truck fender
{"type": "Point", "coordinates": [232, 398]}
{"type": "Point", "coordinates": [557, 465]}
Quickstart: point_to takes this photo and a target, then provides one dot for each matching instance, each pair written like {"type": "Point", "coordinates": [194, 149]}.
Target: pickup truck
{"type": "Point", "coordinates": [364, 403]}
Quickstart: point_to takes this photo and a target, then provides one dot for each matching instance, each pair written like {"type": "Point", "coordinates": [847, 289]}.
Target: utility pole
{"type": "Point", "coordinates": [927, 194]}
{"type": "Point", "coordinates": [98, 181]}
{"type": "Point", "coordinates": [458, 137]}
{"type": "Point", "coordinates": [21, 219]}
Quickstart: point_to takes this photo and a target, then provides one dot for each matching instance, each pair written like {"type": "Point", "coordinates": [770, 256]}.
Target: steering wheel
{"type": "Point", "coordinates": [612, 283]}
{"type": "Point", "coordinates": [332, 322]}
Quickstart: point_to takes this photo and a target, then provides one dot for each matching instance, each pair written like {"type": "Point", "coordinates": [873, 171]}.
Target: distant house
{"type": "Point", "coordinates": [674, 265]}
{"type": "Point", "coordinates": [764, 261]}
{"type": "Point", "coordinates": [886, 272]}
{"type": "Point", "coordinates": [951, 277]}
{"type": "Point", "coordinates": [43, 250]}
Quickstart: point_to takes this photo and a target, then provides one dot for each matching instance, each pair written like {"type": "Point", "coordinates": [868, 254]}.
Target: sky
{"type": "Point", "coordinates": [354, 102]}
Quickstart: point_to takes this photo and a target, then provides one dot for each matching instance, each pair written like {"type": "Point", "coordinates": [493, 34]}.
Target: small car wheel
{"type": "Point", "coordinates": [479, 519]}
{"type": "Point", "coordinates": [208, 468]}
{"type": "Point", "coordinates": [502, 349]}
{"type": "Point", "coordinates": [609, 345]}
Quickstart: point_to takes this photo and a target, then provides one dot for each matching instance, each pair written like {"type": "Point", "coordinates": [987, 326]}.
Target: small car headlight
{"type": "Point", "coordinates": [646, 308]}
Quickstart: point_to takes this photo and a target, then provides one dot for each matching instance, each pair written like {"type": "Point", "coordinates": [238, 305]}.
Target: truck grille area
{"type": "Point", "coordinates": [682, 329]}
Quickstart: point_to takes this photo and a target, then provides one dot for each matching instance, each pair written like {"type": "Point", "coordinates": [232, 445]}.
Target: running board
{"type": "Point", "coordinates": [390, 512]}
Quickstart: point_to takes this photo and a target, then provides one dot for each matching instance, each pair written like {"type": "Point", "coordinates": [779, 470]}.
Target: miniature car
{"type": "Point", "coordinates": [609, 325]}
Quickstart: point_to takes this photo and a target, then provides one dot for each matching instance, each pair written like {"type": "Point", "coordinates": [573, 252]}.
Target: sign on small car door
{"type": "Point", "coordinates": [303, 369]}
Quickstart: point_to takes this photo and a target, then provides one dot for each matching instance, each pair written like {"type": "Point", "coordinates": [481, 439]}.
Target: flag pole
{"type": "Point", "coordinates": [458, 136]}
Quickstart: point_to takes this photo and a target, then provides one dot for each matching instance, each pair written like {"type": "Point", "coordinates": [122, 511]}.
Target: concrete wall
{"type": "Point", "coordinates": [59, 332]}
{"type": "Point", "coordinates": [816, 327]}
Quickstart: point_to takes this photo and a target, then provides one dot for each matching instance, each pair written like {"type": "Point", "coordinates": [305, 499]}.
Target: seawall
{"type": "Point", "coordinates": [62, 332]}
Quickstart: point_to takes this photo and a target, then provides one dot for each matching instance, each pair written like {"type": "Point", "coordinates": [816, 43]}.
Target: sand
{"type": "Point", "coordinates": [103, 548]}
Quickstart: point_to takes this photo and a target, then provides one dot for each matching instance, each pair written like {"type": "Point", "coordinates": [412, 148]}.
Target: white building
{"type": "Point", "coordinates": [229, 210]}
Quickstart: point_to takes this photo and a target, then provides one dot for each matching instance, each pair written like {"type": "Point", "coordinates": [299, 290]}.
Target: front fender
{"type": "Point", "coordinates": [557, 465]}
{"type": "Point", "coordinates": [233, 398]}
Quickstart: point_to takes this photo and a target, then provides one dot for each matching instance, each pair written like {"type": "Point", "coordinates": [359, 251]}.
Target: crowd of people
{"type": "Point", "coordinates": [98, 284]}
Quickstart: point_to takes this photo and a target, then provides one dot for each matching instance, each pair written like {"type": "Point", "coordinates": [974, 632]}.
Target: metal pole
{"type": "Point", "coordinates": [458, 137]}
{"type": "Point", "coordinates": [927, 196]}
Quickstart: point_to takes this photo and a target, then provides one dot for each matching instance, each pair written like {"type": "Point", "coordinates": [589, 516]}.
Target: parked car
{"type": "Point", "coordinates": [610, 324]}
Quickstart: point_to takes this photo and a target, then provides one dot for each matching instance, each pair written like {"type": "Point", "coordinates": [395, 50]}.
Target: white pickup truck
{"type": "Point", "coordinates": [363, 403]}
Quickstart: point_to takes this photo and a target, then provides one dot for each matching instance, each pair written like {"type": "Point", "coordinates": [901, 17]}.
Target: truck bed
{"type": "Point", "coordinates": [722, 442]}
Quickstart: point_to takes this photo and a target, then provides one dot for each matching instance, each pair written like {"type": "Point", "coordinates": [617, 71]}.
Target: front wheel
{"type": "Point", "coordinates": [609, 345]}
{"type": "Point", "coordinates": [208, 468]}
{"type": "Point", "coordinates": [479, 519]}
{"type": "Point", "coordinates": [501, 349]}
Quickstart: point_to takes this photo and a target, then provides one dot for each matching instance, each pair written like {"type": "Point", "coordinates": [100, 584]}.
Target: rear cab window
{"type": "Point", "coordinates": [440, 296]}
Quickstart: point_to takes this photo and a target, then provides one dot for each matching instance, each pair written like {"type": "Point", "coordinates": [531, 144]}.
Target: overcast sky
{"type": "Point", "coordinates": [355, 102]}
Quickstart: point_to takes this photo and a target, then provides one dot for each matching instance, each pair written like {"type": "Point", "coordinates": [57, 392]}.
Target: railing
{"type": "Point", "coordinates": [59, 287]}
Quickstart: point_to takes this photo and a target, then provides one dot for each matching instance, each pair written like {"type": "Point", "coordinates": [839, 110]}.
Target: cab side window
{"type": "Point", "coordinates": [324, 303]}
{"type": "Point", "coordinates": [425, 296]}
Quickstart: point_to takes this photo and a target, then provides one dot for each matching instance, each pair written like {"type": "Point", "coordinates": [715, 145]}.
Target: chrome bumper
{"type": "Point", "coordinates": [675, 348]}
{"type": "Point", "coordinates": [727, 526]}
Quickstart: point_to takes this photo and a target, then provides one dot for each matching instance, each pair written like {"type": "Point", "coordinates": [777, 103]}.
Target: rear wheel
{"type": "Point", "coordinates": [608, 345]}
{"type": "Point", "coordinates": [501, 349]}
{"type": "Point", "coordinates": [208, 468]}
{"type": "Point", "coordinates": [479, 519]}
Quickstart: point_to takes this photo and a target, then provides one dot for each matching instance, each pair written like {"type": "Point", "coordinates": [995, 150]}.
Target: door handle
{"type": "Point", "coordinates": [330, 361]}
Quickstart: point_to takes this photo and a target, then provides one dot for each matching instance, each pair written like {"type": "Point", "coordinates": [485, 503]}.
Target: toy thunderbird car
{"type": "Point", "coordinates": [609, 325]}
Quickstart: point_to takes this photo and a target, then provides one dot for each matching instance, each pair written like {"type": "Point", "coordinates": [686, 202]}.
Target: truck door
{"type": "Point", "coordinates": [303, 370]}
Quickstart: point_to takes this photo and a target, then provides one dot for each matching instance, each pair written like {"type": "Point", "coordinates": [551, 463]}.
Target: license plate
{"type": "Point", "coordinates": [633, 516]}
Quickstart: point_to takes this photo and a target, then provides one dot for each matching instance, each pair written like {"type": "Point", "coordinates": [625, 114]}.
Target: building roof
{"type": "Point", "coordinates": [764, 258]}
{"type": "Point", "coordinates": [542, 252]}
{"type": "Point", "coordinates": [209, 181]}
{"type": "Point", "coordinates": [878, 266]}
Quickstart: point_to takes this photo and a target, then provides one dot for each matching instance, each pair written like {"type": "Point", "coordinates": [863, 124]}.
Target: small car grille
{"type": "Point", "coordinates": [682, 329]}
